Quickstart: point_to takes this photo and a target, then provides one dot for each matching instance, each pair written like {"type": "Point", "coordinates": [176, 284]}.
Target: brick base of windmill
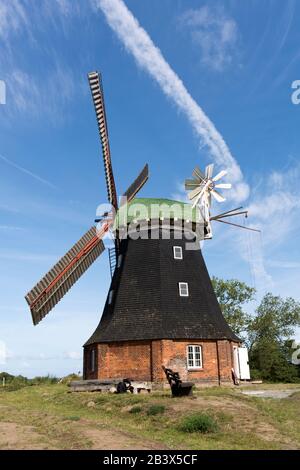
{"type": "Point", "coordinates": [142, 361]}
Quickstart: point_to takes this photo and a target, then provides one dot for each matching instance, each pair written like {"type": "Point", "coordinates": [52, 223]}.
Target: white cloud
{"type": "Point", "coordinates": [40, 95]}
{"type": "Point", "coordinates": [12, 356]}
{"type": "Point", "coordinates": [13, 18]}
{"type": "Point", "coordinates": [3, 352]}
{"type": "Point", "coordinates": [17, 16]}
{"type": "Point", "coordinates": [275, 205]}
{"type": "Point", "coordinates": [61, 10]}
{"type": "Point", "coordinates": [11, 228]}
{"type": "Point", "coordinates": [31, 92]}
{"type": "Point", "coordinates": [214, 32]}
{"type": "Point", "coordinates": [30, 257]}
{"type": "Point", "coordinates": [24, 92]}
{"type": "Point", "coordinates": [149, 57]}
{"type": "Point", "coordinates": [275, 210]}
{"type": "Point", "coordinates": [64, 6]}
{"type": "Point", "coordinates": [27, 172]}
{"type": "Point", "coordinates": [284, 264]}
{"type": "Point", "coordinates": [73, 355]}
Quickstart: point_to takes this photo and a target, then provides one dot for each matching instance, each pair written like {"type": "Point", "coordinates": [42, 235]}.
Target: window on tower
{"type": "Point", "coordinates": [183, 289]}
{"type": "Point", "coordinates": [93, 360]}
{"type": "Point", "coordinates": [119, 260]}
{"type": "Point", "coordinates": [194, 356]}
{"type": "Point", "coordinates": [177, 251]}
{"type": "Point", "coordinates": [110, 297]}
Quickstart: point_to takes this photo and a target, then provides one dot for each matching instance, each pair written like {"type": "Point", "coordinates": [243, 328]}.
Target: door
{"type": "Point", "coordinates": [236, 366]}
{"type": "Point", "coordinates": [244, 373]}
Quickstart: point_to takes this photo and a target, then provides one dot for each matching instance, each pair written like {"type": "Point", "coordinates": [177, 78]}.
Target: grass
{"type": "Point", "coordinates": [156, 410]}
{"type": "Point", "coordinates": [73, 418]}
{"type": "Point", "coordinates": [136, 409]}
{"type": "Point", "coordinates": [199, 422]}
{"type": "Point", "coordinates": [228, 419]}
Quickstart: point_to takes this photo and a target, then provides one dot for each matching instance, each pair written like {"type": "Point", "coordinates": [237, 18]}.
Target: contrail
{"type": "Point", "coordinates": [149, 57]}
{"type": "Point", "coordinates": [27, 172]}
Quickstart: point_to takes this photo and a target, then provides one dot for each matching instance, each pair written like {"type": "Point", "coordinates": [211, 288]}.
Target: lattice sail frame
{"type": "Point", "coordinates": [56, 283]}
{"type": "Point", "coordinates": [95, 82]}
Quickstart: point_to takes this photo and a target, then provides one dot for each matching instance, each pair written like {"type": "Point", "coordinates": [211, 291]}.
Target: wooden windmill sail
{"type": "Point", "coordinates": [56, 283]}
{"type": "Point", "coordinates": [161, 308]}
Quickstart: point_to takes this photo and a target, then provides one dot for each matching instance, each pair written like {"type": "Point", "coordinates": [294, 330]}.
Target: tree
{"type": "Point", "coordinates": [271, 360]}
{"type": "Point", "coordinates": [275, 319]}
{"type": "Point", "coordinates": [268, 334]}
{"type": "Point", "coordinates": [232, 295]}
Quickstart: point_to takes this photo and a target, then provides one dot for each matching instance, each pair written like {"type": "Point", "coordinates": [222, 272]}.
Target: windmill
{"type": "Point", "coordinates": [161, 308]}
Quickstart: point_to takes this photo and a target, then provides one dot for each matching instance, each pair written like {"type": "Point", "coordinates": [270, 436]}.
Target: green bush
{"type": "Point", "coordinates": [255, 374]}
{"type": "Point", "coordinates": [156, 410]}
{"type": "Point", "coordinates": [5, 375]}
{"type": "Point", "coordinates": [270, 360]}
{"type": "Point", "coordinates": [199, 422]}
{"type": "Point", "coordinates": [135, 409]}
{"type": "Point", "coordinates": [12, 382]}
{"type": "Point", "coordinates": [47, 379]}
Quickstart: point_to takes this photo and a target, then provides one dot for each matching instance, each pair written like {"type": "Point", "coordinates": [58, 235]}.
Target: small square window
{"type": "Point", "coordinates": [183, 289]}
{"type": "Point", "coordinates": [194, 357]}
{"type": "Point", "coordinates": [177, 250]}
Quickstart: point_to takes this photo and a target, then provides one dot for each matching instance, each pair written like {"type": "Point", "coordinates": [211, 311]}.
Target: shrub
{"type": "Point", "coordinates": [47, 379]}
{"type": "Point", "coordinates": [256, 374]}
{"type": "Point", "coordinates": [135, 409]}
{"type": "Point", "coordinates": [12, 382]}
{"type": "Point", "coordinates": [69, 378]}
{"type": "Point", "coordinates": [5, 375]}
{"type": "Point", "coordinates": [156, 410]}
{"type": "Point", "coordinates": [200, 422]}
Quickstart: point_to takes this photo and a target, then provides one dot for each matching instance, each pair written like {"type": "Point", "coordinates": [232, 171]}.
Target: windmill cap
{"type": "Point", "coordinates": [155, 208]}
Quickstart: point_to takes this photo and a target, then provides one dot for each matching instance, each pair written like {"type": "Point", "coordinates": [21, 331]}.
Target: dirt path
{"type": "Point", "coordinates": [276, 394]}
{"type": "Point", "coordinates": [17, 436]}
{"type": "Point", "coordinates": [118, 440]}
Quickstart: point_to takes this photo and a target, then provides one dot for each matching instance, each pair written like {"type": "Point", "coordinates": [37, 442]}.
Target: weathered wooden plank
{"type": "Point", "coordinates": [106, 385]}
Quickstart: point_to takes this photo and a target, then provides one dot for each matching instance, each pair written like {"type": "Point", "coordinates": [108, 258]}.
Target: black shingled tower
{"type": "Point", "coordinates": [145, 303]}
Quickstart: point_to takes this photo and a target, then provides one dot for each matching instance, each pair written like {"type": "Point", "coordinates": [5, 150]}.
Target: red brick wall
{"type": "Point", "coordinates": [175, 357]}
{"type": "Point", "coordinates": [131, 359]}
{"type": "Point", "coordinates": [87, 372]}
{"type": "Point", "coordinates": [142, 360]}
{"type": "Point", "coordinates": [225, 359]}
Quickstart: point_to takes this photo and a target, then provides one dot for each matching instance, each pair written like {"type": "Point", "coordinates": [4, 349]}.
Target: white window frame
{"type": "Point", "coordinates": [191, 352]}
{"type": "Point", "coordinates": [110, 297]}
{"type": "Point", "coordinates": [93, 360]}
{"type": "Point", "coordinates": [183, 285]}
{"type": "Point", "coordinates": [174, 252]}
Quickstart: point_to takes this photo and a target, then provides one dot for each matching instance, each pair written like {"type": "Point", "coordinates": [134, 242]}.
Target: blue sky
{"type": "Point", "coordinates": [192, 82]}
